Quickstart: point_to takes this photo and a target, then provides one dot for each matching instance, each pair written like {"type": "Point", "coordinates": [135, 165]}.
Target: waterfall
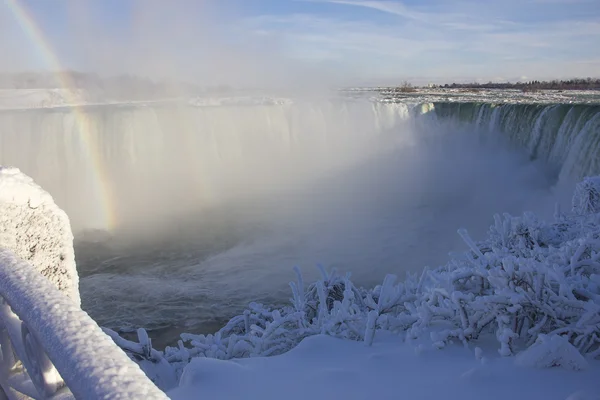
{"type": "Point", "coordinates": [133, 161]}
{"type": "Point", "coordinates": [130, 161]}
{"type": "Point", "coordinates": [565, 136]}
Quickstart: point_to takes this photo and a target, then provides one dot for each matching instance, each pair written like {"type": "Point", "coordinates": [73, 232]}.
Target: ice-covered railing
{"type": "Point", "coordinates": [63, 351]}
{"type": "Point", "coordinates": [532, 285]}
{"type": "Point", "coordinates": [50, 347]}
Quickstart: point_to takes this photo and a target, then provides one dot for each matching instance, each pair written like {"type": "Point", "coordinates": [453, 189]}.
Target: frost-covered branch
{"type": "Point", "coordinates": [527, 282]}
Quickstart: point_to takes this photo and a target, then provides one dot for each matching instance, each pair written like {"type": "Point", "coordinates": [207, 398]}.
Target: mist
{"type": "Point", "coordinates": [396, 210]}
{"type": "Point", "coordinates": [204, 43]}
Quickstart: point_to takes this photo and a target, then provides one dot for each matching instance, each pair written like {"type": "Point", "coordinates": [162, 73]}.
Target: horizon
{"type": "Point", "coordinates": [423, 84]}
{"type": "Point", "coordinates": [347, 42]}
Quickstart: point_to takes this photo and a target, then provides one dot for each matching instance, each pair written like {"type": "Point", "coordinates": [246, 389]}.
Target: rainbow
{"type": "Point", "coordinates": [101, 184]}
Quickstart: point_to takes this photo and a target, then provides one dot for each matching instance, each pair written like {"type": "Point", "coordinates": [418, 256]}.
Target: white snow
{"type": "Point", "coordinates": [493, 96]}
{"type": "Point", "coordinates": [322, 367]}
{"type": "Point", "coordinates": [40, 98]}
{"type": "Point", "coordinates": [552, 351]}
{"type": "Point", "coordinates": [37, 230]}
{"type": "Point", "coordinates": [43, 98]}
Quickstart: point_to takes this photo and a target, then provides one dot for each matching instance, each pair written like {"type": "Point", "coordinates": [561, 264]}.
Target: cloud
{"type": "Point", "coordinates": [396, 8]}
{"type": "Point", "coordinates": [426, 14]}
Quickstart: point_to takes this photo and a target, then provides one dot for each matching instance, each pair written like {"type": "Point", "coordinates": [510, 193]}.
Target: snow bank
{"type": "Point", "coordinates": [322, 367]}
{"type": "Point", "coordinates": [527, 279]}
{"type": "Point", "coordinates": [11, 99]}
{"type": "Point", "coordinates": [552, 351]}
{"type": "Point", "coordinates": [37, 231]}
{"type": "Point", "coordinates": [493, 96]}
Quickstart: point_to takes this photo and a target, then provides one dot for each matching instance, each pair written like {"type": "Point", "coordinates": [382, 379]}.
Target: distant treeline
{"type": "Point", "coordinates": [571, 84]}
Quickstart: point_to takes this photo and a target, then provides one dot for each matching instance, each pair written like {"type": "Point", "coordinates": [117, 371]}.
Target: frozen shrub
{"type": "Point", "coordinates": [586, 199]}
{"type": "Point", "coordinates": [533, 285]}
{"type": "Point", "coordinates": [552, 351]}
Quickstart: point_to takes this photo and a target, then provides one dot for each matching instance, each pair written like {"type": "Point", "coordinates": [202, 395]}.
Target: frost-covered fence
{"type": "Point", "coordinates": [50, 347]}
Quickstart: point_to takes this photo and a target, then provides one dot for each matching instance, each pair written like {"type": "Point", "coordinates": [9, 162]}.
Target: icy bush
{"type": "Point", "coordinates": [530, 284]}
{"type": "Point", "coordinates": [586, 199]}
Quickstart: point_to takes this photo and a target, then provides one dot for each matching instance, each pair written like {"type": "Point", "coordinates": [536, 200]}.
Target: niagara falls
{"type": "Point", "coordinates": [322, 199]}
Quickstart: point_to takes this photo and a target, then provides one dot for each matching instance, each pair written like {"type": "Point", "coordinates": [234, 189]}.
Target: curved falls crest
{"type": "Point", "coordinates": [204, 155]}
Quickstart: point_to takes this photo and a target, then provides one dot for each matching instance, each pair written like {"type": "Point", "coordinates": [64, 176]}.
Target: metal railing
{"type": "Point", "coordinates": [51, 348]}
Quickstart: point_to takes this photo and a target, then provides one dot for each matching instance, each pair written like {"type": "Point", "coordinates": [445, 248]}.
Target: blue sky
{"type": "Point", "coordinates": [353, 40]}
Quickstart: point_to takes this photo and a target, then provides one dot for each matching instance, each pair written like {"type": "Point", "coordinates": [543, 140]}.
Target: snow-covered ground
{"type": "Point", "coordinates": [39, 98]}
{"type": "Point", "coordinates": [496, 96]}
{"type": "Point", "coordinates": [18, 99]}
{"type": "Point", "coordinates": [25, 99]}
{"type": "Point", "coordinates": [322, 367]}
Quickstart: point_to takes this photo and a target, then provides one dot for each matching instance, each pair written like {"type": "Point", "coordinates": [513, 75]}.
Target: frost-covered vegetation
{"type": "Point", "coordinates": [532, 285]}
